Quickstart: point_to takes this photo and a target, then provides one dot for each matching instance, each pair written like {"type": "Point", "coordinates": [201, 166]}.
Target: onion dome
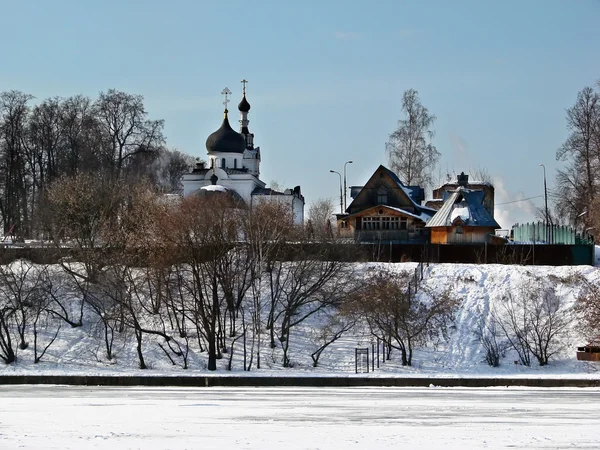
{"type": "Point", "coordinates": [226, 139]}
{"type": "Point", "coordinates": [219, 192]}
{"type": "Point", "coordinates": [244, 106]}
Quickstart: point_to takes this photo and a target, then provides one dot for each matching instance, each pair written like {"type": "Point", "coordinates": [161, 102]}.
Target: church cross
{"type": "Point", "coordinates": [244, 82]}
{"type": "Point", "coordinates": [226, 92]}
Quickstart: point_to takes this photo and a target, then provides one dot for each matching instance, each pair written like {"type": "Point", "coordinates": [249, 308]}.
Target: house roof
{"type": "Point", "coordinates": [422, 216]}
{"type": "Point", "coordinates": [454, 184]}
{"type": "Point", "coordinates": [410, 191]}
{"type": "Point", "coordinates": [467, 205]}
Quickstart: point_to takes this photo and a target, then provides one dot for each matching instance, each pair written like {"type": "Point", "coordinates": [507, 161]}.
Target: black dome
{"type": "Point", "coordinates": [244, 106]}
{"type": "Point", "coordinates": [226, 139]}
{"type": "Point", "coordinates": [217, 191]}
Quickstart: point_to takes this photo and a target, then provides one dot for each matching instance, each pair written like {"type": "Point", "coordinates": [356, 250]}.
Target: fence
{"type": "Point", "coordinates": [542, 232]}
{"type": "Point", "coordinates": [545, 254]}
{"type": "Point", "coordinates": [525, 254]}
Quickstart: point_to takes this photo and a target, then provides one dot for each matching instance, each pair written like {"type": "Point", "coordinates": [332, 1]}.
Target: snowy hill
{"type": "Point", "coordinates": [479, 288]}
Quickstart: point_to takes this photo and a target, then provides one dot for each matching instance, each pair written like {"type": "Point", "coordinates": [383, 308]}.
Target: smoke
{"type": "Point", "coordinates": [517, 211]}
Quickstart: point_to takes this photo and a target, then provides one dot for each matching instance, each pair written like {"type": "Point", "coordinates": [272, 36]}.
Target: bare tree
{"type": "Point", "coordinates": [335, 326]}
{"type": "Point", "coordinates": [19, 283]}
{"type": "Point", "coordinates": [169, 167]}
{"type": "Point", "coordinates": [534, 320]}
{"type": "Point", "coordinates": [14, 179]}
{"type": "Point", "coordinates": [489, 335]}
{"type": "Point", "coordinates": [302, 287]}
{"type": "Point", "coordinates": [588, 310]}
{"type": "Point", "coordinates": [266, 227]}
{"type": "Point", "coordinates": [127, 132]}
{"type": "Point", "coordinates": [410, 152]}
{"type": "Point", "coordinates": [204, 232]}
{"type": "Point", "coordinates": [8, 353]}
{"type": "Point", "coordinates": [578, 182]}
{"type": "Point", "coordinates": [402, 314]}
{"type": "Point", "coordinates": [320, 214]}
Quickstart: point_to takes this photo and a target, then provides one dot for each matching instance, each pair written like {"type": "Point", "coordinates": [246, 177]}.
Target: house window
{"type": "Point", "coordinates": [403, 223]}
{"type": "Point", "coordinates": [382, 197]}
{"type": "Point", "coordinates": [382, 223]}
{"type": "Point", "coordinates": [222, 163]}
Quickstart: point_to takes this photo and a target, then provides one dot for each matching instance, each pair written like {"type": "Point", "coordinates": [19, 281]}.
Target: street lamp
{"type": "Point", "coordinates": [546, 204]}
{"type": "Point", "coordinates": [341, 199]}
{"type": "Point", "coordinates": [345, 188]}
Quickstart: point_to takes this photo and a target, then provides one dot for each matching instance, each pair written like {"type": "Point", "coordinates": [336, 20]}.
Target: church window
{"type": "Point", "coordinates": [222, 163]}
{"type": "Point", "coordinates": [235, 163]}
{"type": "Point", "coordinates": [382, 197]}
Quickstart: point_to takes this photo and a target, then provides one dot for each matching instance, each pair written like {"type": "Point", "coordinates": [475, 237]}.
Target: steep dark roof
{"type": "Point", "coordinates": [226, 139]}
{"type": "Point", "coordinates": [466, 204]}
{"type": "Point", "coordinates": [244, 106]}
{"type": "Point", "coordinates": [413, 193]}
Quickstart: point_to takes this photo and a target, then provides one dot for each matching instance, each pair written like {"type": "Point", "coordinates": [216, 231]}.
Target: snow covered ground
{"type": "Point", "coordinates": [55, 417]}
{"type": "Point", "coordinates": [480, 288]}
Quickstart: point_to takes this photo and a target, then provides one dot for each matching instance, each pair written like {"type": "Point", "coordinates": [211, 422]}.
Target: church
{"type": "Point", "coordinates": [233, 167]}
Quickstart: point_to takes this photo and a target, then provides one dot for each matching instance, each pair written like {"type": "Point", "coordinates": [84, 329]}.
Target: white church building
{"type": "Point", "coordinates": [234, 166]}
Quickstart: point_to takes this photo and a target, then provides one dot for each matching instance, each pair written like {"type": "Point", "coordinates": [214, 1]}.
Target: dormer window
{"type": "Point", "coordinates": [382, 197]}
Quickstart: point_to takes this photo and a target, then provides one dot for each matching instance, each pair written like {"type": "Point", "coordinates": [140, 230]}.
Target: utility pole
{"type": "Point", "coordinates": [341, 197]}
{"type": "Point", "coordinates": [546, 205]}
{"type": "Point", "coordinates": [345, 188]}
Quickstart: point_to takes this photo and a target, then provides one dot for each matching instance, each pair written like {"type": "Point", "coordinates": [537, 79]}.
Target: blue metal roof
{"type": "Point", "coordinates": [463, 199]}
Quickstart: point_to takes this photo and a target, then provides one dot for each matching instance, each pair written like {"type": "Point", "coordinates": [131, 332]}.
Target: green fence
{"type": "Point", "coordinates": [541, 232]}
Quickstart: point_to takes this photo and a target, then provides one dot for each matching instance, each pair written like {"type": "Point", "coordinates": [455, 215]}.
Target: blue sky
{"type": "Point", "coordinates": [326, 77]}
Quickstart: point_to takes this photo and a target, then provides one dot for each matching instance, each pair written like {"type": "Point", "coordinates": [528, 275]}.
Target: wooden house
{"type": "Point", "coordinates": [385, 210]}
{"type": "Point", "coordinates": [463, 218]}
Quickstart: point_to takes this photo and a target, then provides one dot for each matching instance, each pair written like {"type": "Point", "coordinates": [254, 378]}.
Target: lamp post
{"type": "Point", "coordinates": [546, 203]}
{"type": "Point", "coordinates": [345, 188]}
{"type": "Point", "coordinates": [341, 198]}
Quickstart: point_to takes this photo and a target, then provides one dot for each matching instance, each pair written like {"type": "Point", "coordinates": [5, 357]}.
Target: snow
{"type": "Point", "coordinates": [214, 187]}
{"type": "Point", "coordinates": [479, 288]}
{"type": "Point", "coordinates": [58, 417]}
{"type": "Point", "coordinates": [460, 212]}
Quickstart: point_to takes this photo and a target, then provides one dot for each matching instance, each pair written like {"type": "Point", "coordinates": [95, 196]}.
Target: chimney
{"type": "Point", "coordinates": [463, 180]}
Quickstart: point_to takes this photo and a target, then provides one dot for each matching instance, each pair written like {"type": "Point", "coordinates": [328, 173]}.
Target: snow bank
{"type": "Point", "coordinates": [479, 288]}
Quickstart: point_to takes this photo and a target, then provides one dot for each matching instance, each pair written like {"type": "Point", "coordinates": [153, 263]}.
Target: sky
{"type": "Point", "coordinates": [326, 77]}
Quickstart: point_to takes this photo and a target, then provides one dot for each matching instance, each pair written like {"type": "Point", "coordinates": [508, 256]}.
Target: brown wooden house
{"type": "Point", "coordinates": [385, 210]}
{"type": "Point", "coordinates": [463, 219]}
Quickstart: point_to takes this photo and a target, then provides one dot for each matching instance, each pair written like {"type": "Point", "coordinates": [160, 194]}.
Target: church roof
{"type": "Point", "coordinates": [217, 190]}
{"type": "Point", "coordinates": [226, 139]}
{"type": "Point", "coordinates": [244, 106]}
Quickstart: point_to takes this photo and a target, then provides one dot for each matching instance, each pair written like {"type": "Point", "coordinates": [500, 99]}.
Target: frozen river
{"type": "Point", "coordinates": [57, 417]}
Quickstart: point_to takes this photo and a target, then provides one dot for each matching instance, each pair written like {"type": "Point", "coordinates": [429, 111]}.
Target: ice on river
{"type": "Point", "coordinates": [58, 417]}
